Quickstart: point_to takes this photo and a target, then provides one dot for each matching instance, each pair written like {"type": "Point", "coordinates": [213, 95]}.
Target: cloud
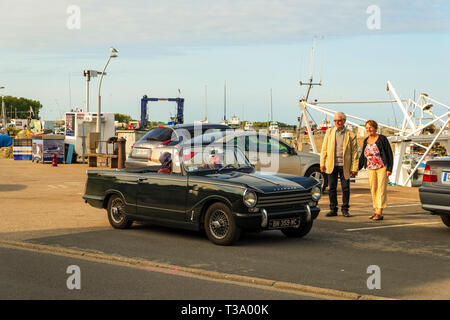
{"type": "Point", "coordinates": [42, 25]}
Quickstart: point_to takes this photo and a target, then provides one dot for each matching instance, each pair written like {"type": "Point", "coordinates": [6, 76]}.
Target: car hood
{"type": "Point", "coordinates": [266, 182]}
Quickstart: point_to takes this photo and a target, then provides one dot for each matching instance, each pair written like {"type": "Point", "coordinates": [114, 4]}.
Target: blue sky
{"type": "Point", "coordinates": [253, 45]}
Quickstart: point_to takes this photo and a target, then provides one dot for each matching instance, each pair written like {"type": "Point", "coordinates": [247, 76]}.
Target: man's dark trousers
{"type": "Point", "coordinates": [338, 172]}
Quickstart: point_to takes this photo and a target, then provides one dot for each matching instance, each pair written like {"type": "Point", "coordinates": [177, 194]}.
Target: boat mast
{"type": "Point", "coordinates": [271, 110]}
{"type": "Point", "coordinates": [225, 102]}
{"type": "Point", "coordinates": [302, 103]}
{"type": "Point", "coordinates": [206, 102]}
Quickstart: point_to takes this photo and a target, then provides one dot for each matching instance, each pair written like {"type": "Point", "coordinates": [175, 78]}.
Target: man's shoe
{"type": "Point", "coordinates": [346, 214]}
{"type": "Point", "coordinates": [331, 214]}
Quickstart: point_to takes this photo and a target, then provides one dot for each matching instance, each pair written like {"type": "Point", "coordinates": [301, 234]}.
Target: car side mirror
{"type": "Point", "coordinates": [292, 151]}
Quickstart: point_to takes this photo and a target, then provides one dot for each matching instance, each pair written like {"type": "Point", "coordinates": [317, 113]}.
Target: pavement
{"type": "Point", "coordinates": [42, 211]}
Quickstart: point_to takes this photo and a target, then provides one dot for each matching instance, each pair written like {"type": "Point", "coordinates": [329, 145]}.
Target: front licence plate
{"type": "Point", "coordinates": [284, 223]}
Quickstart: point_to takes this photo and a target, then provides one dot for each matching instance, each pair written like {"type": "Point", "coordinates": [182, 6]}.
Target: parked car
{"type": "Point", "coordinates": [221, 197]}
{"type": "Point", "coordinates": [268, 153]}
{"type": "Point", "coordinates": [435, 189]}
{"type": "Point", "coordinates": [146, 151]}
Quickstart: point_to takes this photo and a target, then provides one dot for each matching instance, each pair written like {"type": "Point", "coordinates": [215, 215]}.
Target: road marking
{"type": "Point", "coordinates": [265, 284]}
{"type": "Point", "coordinates": [58, 186]}
{"type": "Point", "coordinates": [405, 205]}
{"type": "Point", "coordinates": [393, 226]}
{"type": "Point", "coordinates": [367, 204]}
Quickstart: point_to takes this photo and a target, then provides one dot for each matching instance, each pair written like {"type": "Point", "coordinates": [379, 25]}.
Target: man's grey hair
{"type": "Point", "coordinates": [341, 114]}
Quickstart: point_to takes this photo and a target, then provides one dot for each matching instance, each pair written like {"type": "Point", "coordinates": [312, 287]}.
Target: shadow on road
{"type": "Point", "coordinates": [12, 187]}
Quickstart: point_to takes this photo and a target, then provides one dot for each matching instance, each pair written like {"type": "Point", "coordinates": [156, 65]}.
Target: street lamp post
{"type": "Point", "coordinates": [89, 74]}
{"type": "Point", "coordinates": [112, 55]}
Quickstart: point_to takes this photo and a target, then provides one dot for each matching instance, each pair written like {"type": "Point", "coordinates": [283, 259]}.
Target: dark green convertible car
{"type": "Point", "coordinates": [212, 188]}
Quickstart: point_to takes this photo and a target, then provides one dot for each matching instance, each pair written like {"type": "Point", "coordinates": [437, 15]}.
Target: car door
{"type": "Point", "coordinates": [162, 196]}
{"type": "Point", "coordinates": [287, 163]}
{"type": "Point", "coordinates": [127, 185]}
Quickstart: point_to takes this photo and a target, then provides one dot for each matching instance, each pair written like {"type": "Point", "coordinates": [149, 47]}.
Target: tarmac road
{"type": "Point", "coordinates": [43, 205]}
{"type": "Point", "coordinates": [33, 275]}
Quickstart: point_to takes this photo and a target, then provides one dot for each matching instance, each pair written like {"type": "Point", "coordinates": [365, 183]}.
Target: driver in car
{"type": "Point", "coordinates": [215, 161]}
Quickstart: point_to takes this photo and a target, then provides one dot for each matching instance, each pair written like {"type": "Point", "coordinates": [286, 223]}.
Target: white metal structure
{"type": "Point", "coordinates": [79, 124]}
{"type": "Point", "coordinates": [411, 131]}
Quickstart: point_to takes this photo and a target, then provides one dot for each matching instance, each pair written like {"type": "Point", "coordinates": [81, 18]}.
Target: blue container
{"type": "Point", "coordinates": [22, 149]}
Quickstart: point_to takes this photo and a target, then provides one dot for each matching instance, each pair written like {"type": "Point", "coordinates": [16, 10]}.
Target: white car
{"type": "Point", "coordinates": [157, 140]}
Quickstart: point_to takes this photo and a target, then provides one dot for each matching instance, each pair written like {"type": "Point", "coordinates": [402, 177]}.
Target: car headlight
{"type": "Point", "coordinates": [250, 198]}
{"type": "Point", "coordinates": [316, 193]}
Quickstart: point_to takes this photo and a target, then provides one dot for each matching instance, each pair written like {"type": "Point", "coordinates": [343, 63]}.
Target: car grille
{"type": "Point", "coordinates": [284, 201]}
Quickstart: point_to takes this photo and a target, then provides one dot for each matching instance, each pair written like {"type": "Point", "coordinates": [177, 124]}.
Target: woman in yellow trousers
{"type": "Point", "coordinates": [378, 158]}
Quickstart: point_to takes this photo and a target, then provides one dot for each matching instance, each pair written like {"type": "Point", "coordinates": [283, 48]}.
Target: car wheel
{"type": "Point", "coordinates": [301, 231]}
{"type": "Point", "coordinates": [220, 226]}
{"type": "Point", "coordinates": [446, 220]}
{"type": "Point", "coordinates": [116, 213]}
{"type": "Point", "coordinates": [314, 172]}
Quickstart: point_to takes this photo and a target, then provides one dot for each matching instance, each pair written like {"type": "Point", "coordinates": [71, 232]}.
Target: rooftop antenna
{"type": "Point", "coordinates": [70, 94]}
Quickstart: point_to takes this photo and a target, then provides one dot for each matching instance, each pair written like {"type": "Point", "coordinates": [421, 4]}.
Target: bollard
{"type": "Point", "coordinates": [54, 162]}
{"type": "Point", "coordinates": [121, 156]}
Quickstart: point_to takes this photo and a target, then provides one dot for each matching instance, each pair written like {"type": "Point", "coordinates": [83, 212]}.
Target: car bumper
{"type": "Point", "coordinates": [133, 162]}
{"type": "Point", "coordinates": [255, 221]}
{"type": "Point", "coordinates": [94, 201]}
{"type": "Point", "coordinates": [436, 200]}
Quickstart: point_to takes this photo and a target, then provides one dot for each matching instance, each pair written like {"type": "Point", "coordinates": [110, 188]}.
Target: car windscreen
{"type": "Point", "coordinates": [158, 134]}
{"type": "Point", "coordinates": [213, 157]}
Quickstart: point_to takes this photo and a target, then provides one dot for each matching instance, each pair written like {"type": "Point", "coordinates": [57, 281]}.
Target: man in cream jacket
{"type": "Point", "coordinates": [339, 159]}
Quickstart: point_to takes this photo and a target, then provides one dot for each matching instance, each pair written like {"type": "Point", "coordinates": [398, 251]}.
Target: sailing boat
{"type": "Point", "coordinates": [325, 125]}
{"type": "Point", "coordinates": [274, 130]}
{"type": "Point", "coordinates": [248, 126]}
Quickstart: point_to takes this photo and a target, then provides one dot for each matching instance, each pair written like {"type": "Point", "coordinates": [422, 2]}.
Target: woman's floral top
{"type": "Point", "coordinates": [373, 156]}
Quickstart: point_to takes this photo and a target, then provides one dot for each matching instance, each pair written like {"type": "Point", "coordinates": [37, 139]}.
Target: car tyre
{"type": "Point", "coordinates": [314, 172]}
{"type": "Point", "coordinates": [117, 215]}
{"type": "Point", "coordinates": [446, 220]}
{"type": "Point", "coordinates": [220, 226]}
{"type": "Point", "coordinates": [301, 231]}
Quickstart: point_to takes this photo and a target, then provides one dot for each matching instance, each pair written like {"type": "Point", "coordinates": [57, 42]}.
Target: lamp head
{"type": "Point", "coordinates": [114, 52]}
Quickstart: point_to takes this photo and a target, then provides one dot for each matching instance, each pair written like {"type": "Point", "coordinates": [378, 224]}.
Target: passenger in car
{"type": "Point", "coordinates": [215, 161]}
{"type": "Point", "coordinates": [166, 163]}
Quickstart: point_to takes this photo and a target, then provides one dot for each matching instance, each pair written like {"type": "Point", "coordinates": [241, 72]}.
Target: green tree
{"type": "Point", "coordinates": [122, 118]}
{"type": "Point", "coordinates": [21, 107]}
